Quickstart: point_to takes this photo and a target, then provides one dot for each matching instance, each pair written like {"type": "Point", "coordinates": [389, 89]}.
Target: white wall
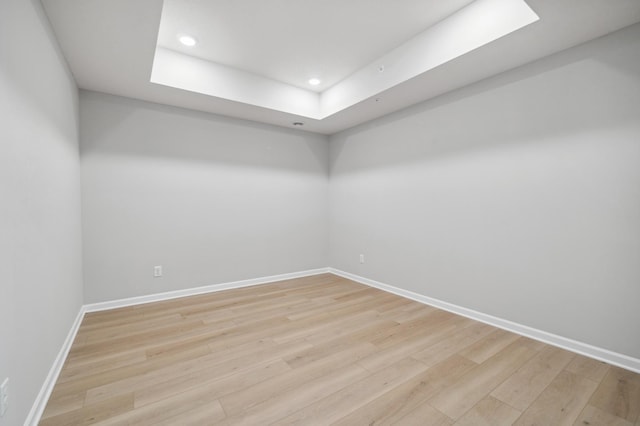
{"type": "Point", "coordinates": [40, 251]}
{"type": "Point", "coordinates": [209, 198]}
{"type": "Point", "coordinates": [518, 196]}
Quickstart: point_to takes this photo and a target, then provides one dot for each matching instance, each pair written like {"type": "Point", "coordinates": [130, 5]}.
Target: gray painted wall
{"type": "Point", "coordinates": [518, 196]}
{"type": "Point", "coordinates": [209, 198]}
{"type": "Point", "coordinates": [40, 251]}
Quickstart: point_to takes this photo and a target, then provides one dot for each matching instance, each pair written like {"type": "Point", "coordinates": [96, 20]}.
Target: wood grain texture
{"type": "Point", "coordinates": [481, 380]}
{"type": "Point", "coordinates": [489, 412]}
{"type": "Point", "coordinates": [425, 415]}
{"type": "Point", "coordinates": [485, 348]}
{"type": "Point", "coordinates": [561, 402]}
{"type": "Point", "coordinates": [524, 386]}
{"type": "Point", "coordinates": [587, 367]}
{"type": "Point", "coordinates": [619, 394]}
{"type": "Point", "coordinates": [595, 416]}
{"type": "Point", "coordinates": [324, 350]}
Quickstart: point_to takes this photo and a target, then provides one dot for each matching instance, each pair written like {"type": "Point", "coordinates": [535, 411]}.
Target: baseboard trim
{"type": "Point", "coordinates": [139, 300]}
{"type": "Point", "coordinates": [45, 392]}
{"type": "Point", "coordinates": [614, 358]}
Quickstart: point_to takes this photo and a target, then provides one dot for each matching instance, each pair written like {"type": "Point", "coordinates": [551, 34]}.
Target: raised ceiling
{"type": "Point", "coordinates": [457, 33]}
{"type": "Point", "coordinates": [254, 58]}
{"type": "Point", "coordinates": [293, 41]}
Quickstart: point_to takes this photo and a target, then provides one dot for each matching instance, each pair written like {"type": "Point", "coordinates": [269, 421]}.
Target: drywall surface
{"type": "Point", "coordinates": [40, 225]}
{"type": "Point", "coordinates": [208, 198]}
{"type": "Point", "coordinates": [518, 197]}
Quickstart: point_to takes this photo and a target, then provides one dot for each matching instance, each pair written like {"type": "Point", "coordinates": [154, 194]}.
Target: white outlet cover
{"type": "Point", "coordinates": [4, 396]}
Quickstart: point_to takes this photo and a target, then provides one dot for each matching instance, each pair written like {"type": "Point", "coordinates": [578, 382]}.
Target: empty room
{"type": "Point", "coordinates": [356, 212]}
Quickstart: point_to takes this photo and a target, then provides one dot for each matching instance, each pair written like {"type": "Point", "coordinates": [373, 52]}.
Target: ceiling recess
{"type": "Point", "coordinates": [246, 64]}
{"type": "Point", "coordinates": [474, 25]}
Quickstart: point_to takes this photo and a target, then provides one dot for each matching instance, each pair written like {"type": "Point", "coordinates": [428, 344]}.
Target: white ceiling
{"type": "Point", "coordinates": [293, 40]}
{"type": "Point", "coordinates": [477, 24]}
{"type": "Point", "coordinates": [254, 57]}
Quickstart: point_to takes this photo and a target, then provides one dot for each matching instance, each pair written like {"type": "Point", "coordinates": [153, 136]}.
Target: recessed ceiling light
{"type": "Point", "coordinates": [314, 81]}
{"type": "Point", "coordinates": [187, 40]}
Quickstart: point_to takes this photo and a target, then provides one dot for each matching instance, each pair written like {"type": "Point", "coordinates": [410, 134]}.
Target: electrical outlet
{"type": "Point", "coordinates": [362, 258]}
{"type": "Point", "coordinates": [4, 396]}
{"type": "Point", "coordinates": [157, 271]}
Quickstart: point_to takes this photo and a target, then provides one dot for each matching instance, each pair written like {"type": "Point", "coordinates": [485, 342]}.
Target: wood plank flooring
{"type": "Point", "coordinates": [324, 350]}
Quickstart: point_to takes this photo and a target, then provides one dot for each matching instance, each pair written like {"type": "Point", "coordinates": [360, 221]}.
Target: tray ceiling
{"type": "Point", "coordinates": [254, 58]}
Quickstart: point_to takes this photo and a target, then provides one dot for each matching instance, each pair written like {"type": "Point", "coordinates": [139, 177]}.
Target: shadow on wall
{"type": "Point", "coordinates": [113, 125]}
{"type": "Point", "coordinates": [532, 103]}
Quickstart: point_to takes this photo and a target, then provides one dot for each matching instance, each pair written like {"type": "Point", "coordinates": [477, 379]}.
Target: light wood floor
{"type": "Point", "coordinates": [324, 350]}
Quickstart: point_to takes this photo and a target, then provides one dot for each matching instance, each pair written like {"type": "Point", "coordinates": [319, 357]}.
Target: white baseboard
{"type": "Point", "coordinates": [101, 306]}
{"type": "Point", "coordinates": [614, 358]}
{"type": "Point", "coordinates": [605, 355]}
{"type": "Point", "coordinates": [45, 392]}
